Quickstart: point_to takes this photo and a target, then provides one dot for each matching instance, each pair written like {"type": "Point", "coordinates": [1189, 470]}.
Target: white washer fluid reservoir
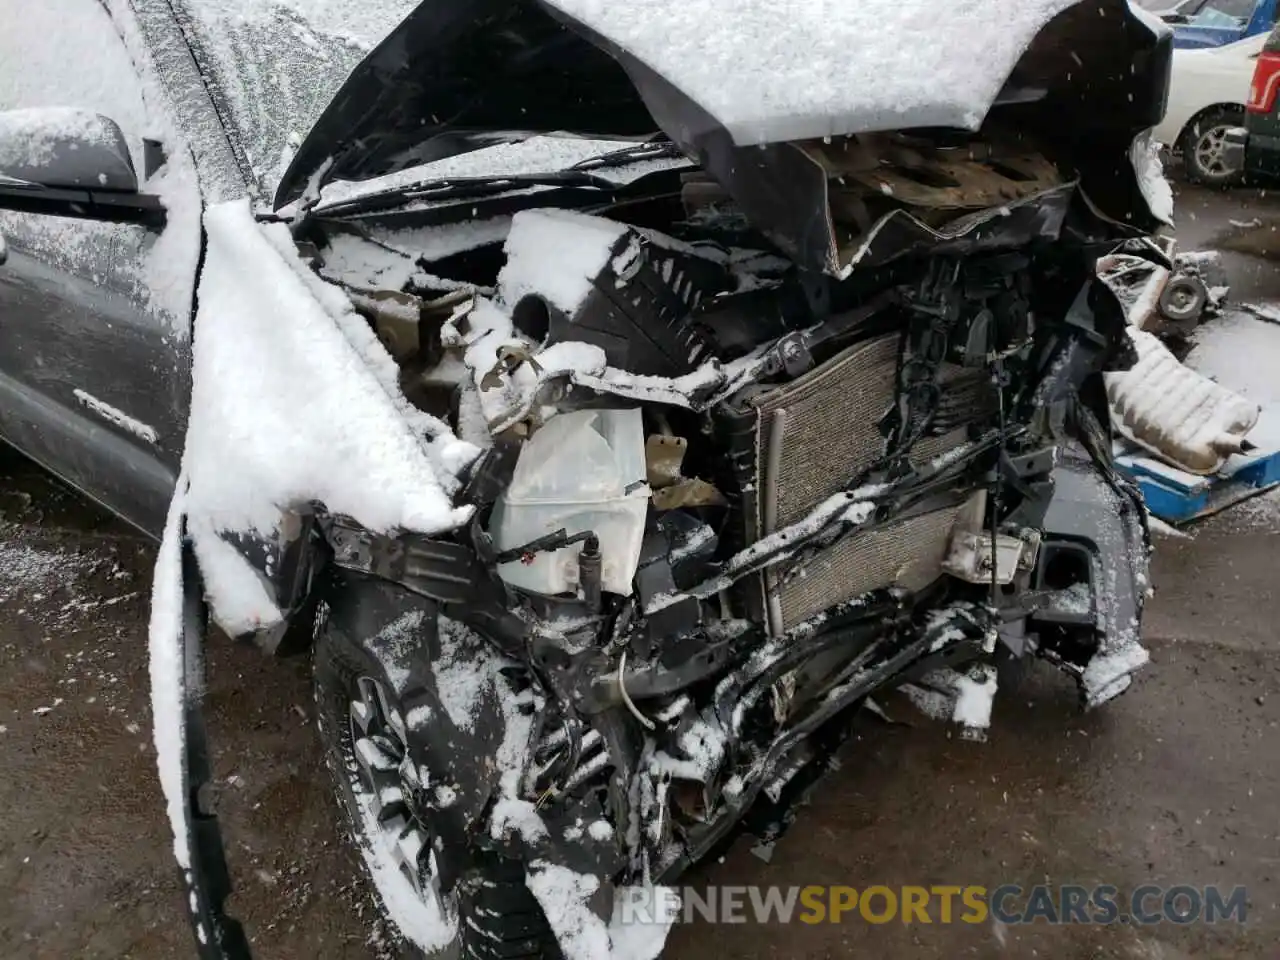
{"type": "Point", "coordinates": [575, 473]}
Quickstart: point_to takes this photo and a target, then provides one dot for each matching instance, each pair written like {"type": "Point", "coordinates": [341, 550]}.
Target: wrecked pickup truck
{"type": "Point", "coordinates": [605, 484]}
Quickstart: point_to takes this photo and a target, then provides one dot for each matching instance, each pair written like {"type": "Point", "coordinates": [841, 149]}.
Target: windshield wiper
{"type": "Point", "coordinates": [464, 188]}
{"type": "Point", "coordinates": [470, 188]}
{"type": "Point", "coordinates": [659, 150]}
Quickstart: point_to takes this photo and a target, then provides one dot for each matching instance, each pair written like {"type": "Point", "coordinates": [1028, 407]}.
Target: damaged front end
{"type": "Point", "coordinates": [751, 434]}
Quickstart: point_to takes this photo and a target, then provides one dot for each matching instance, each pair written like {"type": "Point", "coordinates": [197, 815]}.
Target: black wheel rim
{"type": "Point", "coordinates": [387, 789]}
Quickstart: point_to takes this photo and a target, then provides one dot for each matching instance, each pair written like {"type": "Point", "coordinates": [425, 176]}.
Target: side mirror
{"type": "Point", "coordinates": [69, 162]}
{"type": "Point", "coordinates": [65, 148]}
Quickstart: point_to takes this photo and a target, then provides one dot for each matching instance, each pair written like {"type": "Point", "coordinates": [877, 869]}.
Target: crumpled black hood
{"type": "Point", "coordinates": [458, 75]}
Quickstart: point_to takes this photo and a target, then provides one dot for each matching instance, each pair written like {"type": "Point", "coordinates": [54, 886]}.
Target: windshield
{"type": "Point", "coordinates": [274, 65]}
{"type": "Point", "coordinates": [1224, 13]}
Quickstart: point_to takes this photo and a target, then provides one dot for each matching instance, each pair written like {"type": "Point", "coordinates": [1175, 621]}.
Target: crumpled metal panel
{"type": "Point", "coordinates": [1085, 509]}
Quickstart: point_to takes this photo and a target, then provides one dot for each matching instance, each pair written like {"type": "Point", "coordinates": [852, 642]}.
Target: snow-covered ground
{"type": "Point", "coordinates": [1242, 351]}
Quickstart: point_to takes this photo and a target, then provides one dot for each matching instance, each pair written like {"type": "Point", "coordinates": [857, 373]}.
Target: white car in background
{"type": "Point", "coordinates": [1207, 95]}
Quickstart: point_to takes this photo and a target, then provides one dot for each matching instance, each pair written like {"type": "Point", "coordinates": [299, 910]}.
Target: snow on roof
{"type": "Point", "coordinates": [770, 71]}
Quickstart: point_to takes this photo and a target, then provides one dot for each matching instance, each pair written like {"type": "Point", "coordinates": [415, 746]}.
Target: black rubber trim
{"type": "Point", "coordinates": [208, 882]}
{"type": "Point", "coordinates": [81, 204]}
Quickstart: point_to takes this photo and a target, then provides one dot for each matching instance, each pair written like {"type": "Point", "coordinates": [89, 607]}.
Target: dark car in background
{"type": "Point", "coordinates": [1256, 145]}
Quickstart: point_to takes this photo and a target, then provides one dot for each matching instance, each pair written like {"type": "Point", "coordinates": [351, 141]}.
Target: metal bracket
{"type": "Point", "coordinates": [440, 570]}
{"type": "Point", "coordinates": [793, 353]}
{"type": "Point", "coordinates": [790, 355]}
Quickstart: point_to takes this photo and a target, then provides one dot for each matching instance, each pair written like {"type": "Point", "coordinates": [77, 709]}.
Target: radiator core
{"type": "Point", "coordinates": [813, 437]}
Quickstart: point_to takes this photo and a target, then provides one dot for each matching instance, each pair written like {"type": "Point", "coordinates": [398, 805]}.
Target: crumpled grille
{"type": "Point", "coordinates": [829, 421]}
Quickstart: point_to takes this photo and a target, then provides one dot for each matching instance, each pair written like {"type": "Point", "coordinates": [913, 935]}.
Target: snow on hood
{"type": "Point", "coordinates": [769, 71]}
{"type": "Point", "coordinates": [761, 71]}
{"type": "Point", "coordinates": [736, 84]}
{"type": "Point", "coordinates": [294, 401]}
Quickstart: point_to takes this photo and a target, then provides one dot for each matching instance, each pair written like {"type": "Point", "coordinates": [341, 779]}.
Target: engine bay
{"type": "Point", "coordinates": [723, 385]}
{"type": "Point", "coordinates": [724, 496]}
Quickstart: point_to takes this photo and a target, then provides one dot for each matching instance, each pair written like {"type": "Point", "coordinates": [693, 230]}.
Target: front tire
{"type": "Point", "coordinates": [489, 914]}
{"type": "Point", "coordinates": [1203, 145]}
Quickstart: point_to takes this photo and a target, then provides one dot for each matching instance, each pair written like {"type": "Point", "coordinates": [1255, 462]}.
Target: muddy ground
{"type": "Point", "coordinates": [1176, 782]}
